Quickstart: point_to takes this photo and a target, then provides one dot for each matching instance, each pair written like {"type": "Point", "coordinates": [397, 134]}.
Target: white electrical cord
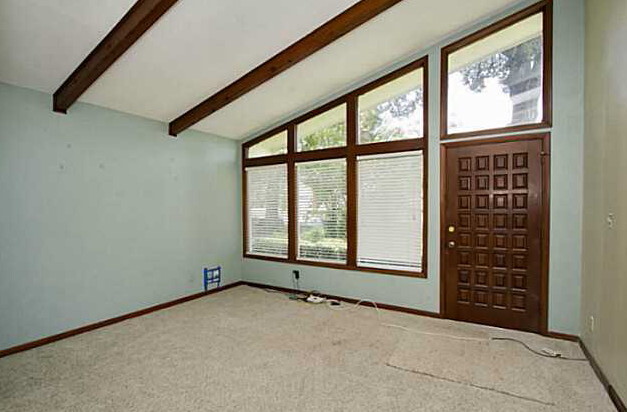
{"type": "Point", "coordinates": [546, 353]}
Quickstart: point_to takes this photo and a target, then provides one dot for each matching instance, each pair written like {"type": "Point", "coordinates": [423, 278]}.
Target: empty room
{"type": "Point", "coordinates": [343, 205]}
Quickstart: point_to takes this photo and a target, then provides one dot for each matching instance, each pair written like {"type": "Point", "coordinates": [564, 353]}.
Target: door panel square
{"type": "Point", "coordinates": [463, 258]}
{"type": "Point", "coordinates": [499, 280]}
{"type": "Point", "coordinates": [500, 241]}
{"type": "Point", "coordinates": [500, 221]}
{"type": "Point", "coordinates": [463, 202]}
{"type": "Point", "coordinates": [519, 262]}
{"type": "Point", "coordinates": [482, 201]}
{"type": "Point", "coordinates": [520, 181]}
{"type": "Point", "coordinates": [500, 182]}
{"type": "Point", "coordinates": [520, 221]}
{"type": "Point", "coordinates": [463, 295]}
{"type": "Point", "coordinates": [500, 162]}
{"type": "Point", "coordinates": [465, 240]}
{"type": "Point", "coordinates": [463, 164]}
{"type": "Point", "coordinates": [464, 183]}
{"type": "Point", "coordinates": [482, 163]}
{"type": "Point", "coordinates": [520, 201]}
{"type": "Point", "coordinates": [519, 302]}
{"type": "Point", "coordinates": [482, 259]}
{"type": "Point", "coordinates": [481, 278]}
{"type": "Point", "coordinates": [464, 221]}
{"type": "Point", "coordinates": [481, 240]}
{"type": "Point", "coordinates": [464, 276]}
{"type": "Point", "coordinates": [499, 261]}
{"type": "Point", "coordinates": [519, 242]}
{"type": "Point", "coordinates": [519, 281]}
{"type": "Point", "coordinates": [500, 201]}
{"type": "Point", "coordinates": [499, 300]}
{"type": "Point", "coordinates": [482, 221]}
{"type": "Point", "coordinates": [482, 182]}
{"type": "Point", "coordinates": [481, 298]}
{"type": "Point", "coordinates": [519, 160]}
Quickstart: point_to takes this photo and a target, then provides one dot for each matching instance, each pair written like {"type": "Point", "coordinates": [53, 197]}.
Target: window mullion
{"type": "Point", "coordinates": [351, 179]}
{"type": "Point", "coordinates": [292, 213]}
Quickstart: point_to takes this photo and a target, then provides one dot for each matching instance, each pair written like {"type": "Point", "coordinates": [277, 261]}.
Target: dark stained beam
{"type": "Point", "coordinates": [135, 22]}
{"type": "Point", "coordinates": [324, 35]}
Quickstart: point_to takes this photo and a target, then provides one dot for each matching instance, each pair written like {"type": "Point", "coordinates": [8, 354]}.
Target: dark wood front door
{"type": "Point", "coordinates": [494, 231]}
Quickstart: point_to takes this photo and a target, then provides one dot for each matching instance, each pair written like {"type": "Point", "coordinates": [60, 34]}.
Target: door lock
{"type": "Point", "coordinates": [451, 244]}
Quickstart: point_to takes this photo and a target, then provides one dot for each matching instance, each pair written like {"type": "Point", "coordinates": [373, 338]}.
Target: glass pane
{"type": "Point", "coordinates": [393, 111]}
{"type": "Point", "coordinates": [266, 199]}
{"type": "Point", "coordinates": [390, 211]}
{"type": "Point", "coordinates": [271, 146]}
{"type": "Point", "coordinates": [323, 131]}
{"type": "Point", "coordinates": [322, 210]}
{"type": "Point", "coordinates": [497, 81]}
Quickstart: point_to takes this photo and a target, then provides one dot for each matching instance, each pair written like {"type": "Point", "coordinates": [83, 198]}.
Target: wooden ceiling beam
{"type": "Point", "coordinates": [131, 27]}
{"type": "Point", "coordinates": [324, 35]}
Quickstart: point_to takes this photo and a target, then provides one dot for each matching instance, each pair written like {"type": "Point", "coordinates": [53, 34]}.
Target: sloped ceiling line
{"type": "Point", "coordinates": [324, 35]}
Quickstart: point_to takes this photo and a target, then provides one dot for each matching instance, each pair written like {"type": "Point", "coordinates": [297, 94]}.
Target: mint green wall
{"type": "Point", "coordinates": [566, 192]}
{"type": "Point", "coordinates": [101, 214]}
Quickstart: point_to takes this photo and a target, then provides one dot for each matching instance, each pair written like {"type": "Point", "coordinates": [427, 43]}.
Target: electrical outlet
{"type": "Point", "coordinates": [591, 323]}
{"type": "Point", "coordinates": [611, 220]}
{"type": "Point", "coordinates": [296, 274]}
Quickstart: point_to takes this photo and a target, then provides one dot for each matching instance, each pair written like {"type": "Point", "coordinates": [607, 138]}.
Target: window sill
{"type": "Point", "coordinates": [405, 273]}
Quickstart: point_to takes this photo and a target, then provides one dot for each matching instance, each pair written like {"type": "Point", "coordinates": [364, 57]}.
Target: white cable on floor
{"type": "Point", "coordinates": [556, 355]}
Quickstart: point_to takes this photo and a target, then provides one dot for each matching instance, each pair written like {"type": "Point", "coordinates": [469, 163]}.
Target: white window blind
{"type": "Point", "coordinates": [266, 188]}
{"type": "Point", "coordinates": [322, 210]}
{"type": "Point", "coordinates": [389, 216]}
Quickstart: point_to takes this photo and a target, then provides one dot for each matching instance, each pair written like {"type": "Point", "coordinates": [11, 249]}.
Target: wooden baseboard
{"type": "Point", "coordinates": [350, 300]}
{"type": "Point", "coordinates": [107, 322]}
{"type": "Point", "coordinates": [620, 405]}
{"type": "Point", "coordinates": [562, 336]}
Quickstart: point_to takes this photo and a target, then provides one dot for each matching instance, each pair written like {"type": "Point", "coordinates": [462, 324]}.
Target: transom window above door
{"type": "Point", "coordinates": [499, 79]}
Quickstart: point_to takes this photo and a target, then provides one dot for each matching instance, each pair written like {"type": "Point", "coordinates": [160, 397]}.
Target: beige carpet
{"type": "Point", "coordinates": [500, 366]}
{"type": "Point", "coordinates": [249, 350]}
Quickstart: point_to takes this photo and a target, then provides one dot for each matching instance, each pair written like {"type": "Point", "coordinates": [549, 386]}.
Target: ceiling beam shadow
{"type": "Point", "coordinates": [131, 27]}
{"type": "Point", "coordinates": [324, 35]}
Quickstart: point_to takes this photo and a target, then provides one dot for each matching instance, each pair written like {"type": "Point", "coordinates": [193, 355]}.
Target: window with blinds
{"type": "Point", "coordinates": [266, 197]}
{"type": "Point", "coordinates": [389, 216]}
{"type": "Point", "coordinates": [322, 210]}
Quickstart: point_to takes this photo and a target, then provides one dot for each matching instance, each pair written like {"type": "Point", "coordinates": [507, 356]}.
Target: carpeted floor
{"type": "Point", "coordinates": [246, 349]}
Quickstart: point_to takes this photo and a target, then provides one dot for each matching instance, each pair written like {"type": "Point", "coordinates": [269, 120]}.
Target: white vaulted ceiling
{"type": "Point", "coordinates": [200, 46]}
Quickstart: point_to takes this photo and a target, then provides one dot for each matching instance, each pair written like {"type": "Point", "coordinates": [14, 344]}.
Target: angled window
{"type": "Point", "coordinates": [393, 111]}
{"type": "Point", "coordinates": [343, 185]}
{"type": "Point", "coordinates": [273, 145]}
{"type": "Point", "coordinates": [323, 131]}
{"type": "Point", "coordinates": [390, 213]}
{"type": "Point", "coordinates": [322, 210]}
{"type": "Point", "coordinates": [498, 78]}
{"type": "Point", "coordinates": [266, 203]}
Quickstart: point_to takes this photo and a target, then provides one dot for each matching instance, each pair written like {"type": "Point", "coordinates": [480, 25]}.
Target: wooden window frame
{"type": "Point", "coordinates": [350, 152]}
{"type": "Point", "coordinates": [546, 8]}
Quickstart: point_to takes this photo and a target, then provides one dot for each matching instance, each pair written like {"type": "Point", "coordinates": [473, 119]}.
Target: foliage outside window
{"type": "Point", "coordinates": [323, 131]}
{"type": "Point", "coordinates": [393, 111]}
{"type": "Point", "coordinates": [322, 210]}
{"type": "Point", "coordinates": [498, 81]}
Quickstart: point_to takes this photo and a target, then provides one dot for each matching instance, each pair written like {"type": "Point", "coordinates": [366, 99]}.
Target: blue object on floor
{"type": "Point", "coordinates": [212, 275]}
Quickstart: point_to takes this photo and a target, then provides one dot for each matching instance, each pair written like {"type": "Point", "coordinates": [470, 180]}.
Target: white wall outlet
{"type": "Point", "coordinates": [591, 323]}
{"type": "Point", "coordinates": [611, 220]}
